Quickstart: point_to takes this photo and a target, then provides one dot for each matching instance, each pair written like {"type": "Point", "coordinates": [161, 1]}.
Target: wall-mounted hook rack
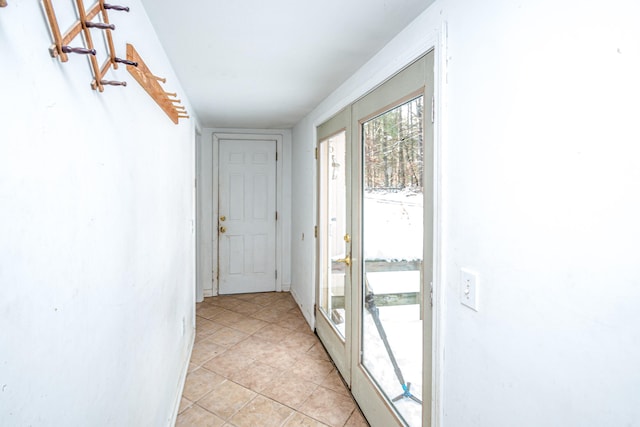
{"type": "Point", "coordinates": [3, 3]}
{"type": "Point", "coordinates": [150, 83]}
{"type": "Point", "coordinates": [83, 25]}
{"type": "Point", "coordinates": [61, 48]}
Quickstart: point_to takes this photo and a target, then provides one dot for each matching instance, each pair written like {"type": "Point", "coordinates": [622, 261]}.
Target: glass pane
{"type": "Point", "coordinates": [392, 218]}
{"type": "Point", "coordinates": [332, 229]}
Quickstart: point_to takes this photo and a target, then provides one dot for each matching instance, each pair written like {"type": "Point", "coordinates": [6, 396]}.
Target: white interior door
{"type": "Point", "coordinates": [247, 216]}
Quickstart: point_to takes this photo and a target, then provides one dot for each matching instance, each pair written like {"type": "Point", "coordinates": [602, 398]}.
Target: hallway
{"type": "Point", "coordinates": [255, 362]}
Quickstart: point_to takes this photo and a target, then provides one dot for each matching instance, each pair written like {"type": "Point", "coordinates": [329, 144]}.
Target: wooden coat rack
{"type": "Point", "coordinates": [135, 65]}
{"type": "Point", "coordinates": [61, 47]}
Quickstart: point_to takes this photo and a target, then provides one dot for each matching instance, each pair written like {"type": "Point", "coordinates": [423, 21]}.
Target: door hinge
{"type": "Point", "coordinates": [316, 155]}
{"type": "Point", "coordinates": [276, 274]}
{"type": "Point", "coordinates": [276, 156]}
{"type": "Point", "coordinates": [431, 293]}
{"type": "Point", "coordinates": [315, 231]}
{"type": "Point", "coordinates": [433, 109]}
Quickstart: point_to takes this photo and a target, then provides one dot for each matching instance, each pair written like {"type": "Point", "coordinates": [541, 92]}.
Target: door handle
{"type": "Point", "coordinates": [223, 218]}
{"type": "Point", "coordinates": [345, 260]}
{"type": "Point", "coordinates": [223, 230]}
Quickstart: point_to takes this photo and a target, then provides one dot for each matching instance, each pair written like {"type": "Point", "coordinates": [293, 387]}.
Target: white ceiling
{"type": "Point", "coordinates": [266, 64]}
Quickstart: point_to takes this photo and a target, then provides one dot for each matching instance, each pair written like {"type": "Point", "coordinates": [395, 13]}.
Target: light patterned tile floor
{"type": "Point", "coordinates": [256, 363]}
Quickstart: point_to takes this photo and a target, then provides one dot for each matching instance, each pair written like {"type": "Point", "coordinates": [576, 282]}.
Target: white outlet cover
{"type": "Point", "coordinates": [469, 289]}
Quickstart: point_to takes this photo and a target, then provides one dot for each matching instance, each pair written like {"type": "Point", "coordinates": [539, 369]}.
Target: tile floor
{"type": "Point", "coordinates": [256, 363]}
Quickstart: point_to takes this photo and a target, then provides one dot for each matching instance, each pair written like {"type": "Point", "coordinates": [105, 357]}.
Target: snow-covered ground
{"type": "Point", "coordinates": [403, 327]}
{"type": "Point", "coordinates": [392, 225]}
{"type": "Point", "coordinates": [392, 232]}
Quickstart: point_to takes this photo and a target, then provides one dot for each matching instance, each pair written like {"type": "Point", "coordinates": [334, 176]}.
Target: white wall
{"type": "Point", "coordinates": [96, 241]}
{"type": "Point", "coordinates": [208, 254]}
{"type": "Point", "coordinates": [539, 196]}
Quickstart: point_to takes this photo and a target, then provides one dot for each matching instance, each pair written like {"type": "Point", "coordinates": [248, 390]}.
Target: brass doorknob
{"type": "Point", "coordinates": [223, 218]}
{"type": "Point", "coordinates": [345, 260]}
{"type": "Point", "coordinates": [223, 230]}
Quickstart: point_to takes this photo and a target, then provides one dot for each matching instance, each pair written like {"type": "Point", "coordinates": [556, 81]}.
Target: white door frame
{"type": "Point", "coordinates": [198, 215]}
{"type": "Point", "coordinates": [217, 136]}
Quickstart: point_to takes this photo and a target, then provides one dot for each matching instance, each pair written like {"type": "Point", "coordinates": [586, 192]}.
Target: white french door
{"type": "Point", "coordinates": [247, 216]}
{"type": "Point", "coordinates": [375, 246]}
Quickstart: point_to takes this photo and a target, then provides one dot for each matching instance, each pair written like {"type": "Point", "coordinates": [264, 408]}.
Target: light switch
{"type": "Point", "coordinates": [469, 289]}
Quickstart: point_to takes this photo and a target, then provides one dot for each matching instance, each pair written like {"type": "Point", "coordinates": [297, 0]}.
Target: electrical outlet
{"type": "Point", "coordinates": [469, 289]}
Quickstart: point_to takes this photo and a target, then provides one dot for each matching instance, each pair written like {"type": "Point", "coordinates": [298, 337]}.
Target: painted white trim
{"type": "Point", "coordinates": [198, 214]}
{"type": "Point", "coordinates": [306, 314]}
{"type": "Point", "coordinates": [278, 138]}
{"type": "Point", "coordinates": [440, 81]}
{"type": "Point", "coordinates": [215, 145]}
{"type": "Point", "coordinates": [204, 254]}
{"type": "Point", "coordinates": [183, 379]}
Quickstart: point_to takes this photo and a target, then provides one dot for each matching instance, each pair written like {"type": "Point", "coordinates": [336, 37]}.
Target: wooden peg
{"type": "Point", "coordinates": [100, 25]}
{"type": "Point", "coordinates": [160, 79]}
{"type": "Point", "coordinates": [114, 7]}
{"type": "Point", "coordinates": [126, 61]}
{"type": "Point", "coordinates": [80, 50]}
{"type": "Point", "coordinates": [173, 95]}
{"type": "Point", "coordinates": [3, 3]}
{"type": "Point", "coordinates": [179, 107]}
{"type": "Point", "coordinates": [112, 83]}
{"type": "Point", "coordinates": [182, 117]}
{"type": "Point", "coordinates": [150, 83]}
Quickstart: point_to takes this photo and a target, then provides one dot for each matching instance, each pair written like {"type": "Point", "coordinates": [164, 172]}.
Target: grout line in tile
{"type": "Point", "coordinates": [246, 403]}
{"type": "Point", "coordinates": [276, 302]}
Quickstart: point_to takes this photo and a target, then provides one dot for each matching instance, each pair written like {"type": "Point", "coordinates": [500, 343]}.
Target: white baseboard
{"type": "Point", "coordinates": [183, 378]}
{"type": "Point", "coordinates": [309, 317]}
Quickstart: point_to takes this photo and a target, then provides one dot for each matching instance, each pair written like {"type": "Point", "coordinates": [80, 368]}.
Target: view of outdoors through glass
{"type": "Point", "coordinates": [392, 243]}
{"type": "Point", "coordinates": [333, 246]}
